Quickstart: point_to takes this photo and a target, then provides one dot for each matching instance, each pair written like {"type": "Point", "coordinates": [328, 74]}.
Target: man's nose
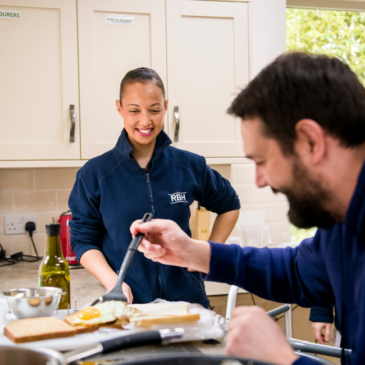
{"type": "Point", "coordinates": [261, 181]}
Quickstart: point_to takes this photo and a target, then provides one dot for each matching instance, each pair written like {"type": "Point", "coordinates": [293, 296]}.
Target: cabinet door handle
{"type": "Point", "coordinates": [73, 122]}
{"type": "Point", "coordinates": [177, 123]}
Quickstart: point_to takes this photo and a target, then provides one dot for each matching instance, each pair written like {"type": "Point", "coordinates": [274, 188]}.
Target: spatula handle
{"type": "Point", "coordinates": [138, 238]}
{"type": "Point", "coordinates": [131, 251]}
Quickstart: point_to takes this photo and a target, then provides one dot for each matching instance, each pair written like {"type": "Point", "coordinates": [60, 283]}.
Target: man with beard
{"type": "Point", "coordinates": [303, 124]}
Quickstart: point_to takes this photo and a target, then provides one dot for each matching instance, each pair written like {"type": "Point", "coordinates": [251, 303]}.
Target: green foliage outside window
{"type": "Point", "coordinates": [334, 33]}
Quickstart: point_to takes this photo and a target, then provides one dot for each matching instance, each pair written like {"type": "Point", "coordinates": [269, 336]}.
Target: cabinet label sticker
{"type": "Point", "coordinates": [9, 14]}
{"type": "Point", "coordinates": [119, 19]}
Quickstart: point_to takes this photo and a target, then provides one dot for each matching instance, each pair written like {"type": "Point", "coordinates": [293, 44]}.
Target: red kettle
{"type": "Point", "coordinates": [69, 255]}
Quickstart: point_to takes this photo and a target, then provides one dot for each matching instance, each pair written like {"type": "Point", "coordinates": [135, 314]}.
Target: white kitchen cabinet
{"type": "Point", "coordinates": [60, 52]}
{"type": "Point", "coordinates": [106, 52]}
{"type": "Point", "coordinates": [208, 62]}
{"type": "Point", "coordinates": [39, 80]}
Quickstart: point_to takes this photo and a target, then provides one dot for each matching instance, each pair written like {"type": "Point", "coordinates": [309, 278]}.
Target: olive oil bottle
{"type": "Point", "coordinates": [54, 270]}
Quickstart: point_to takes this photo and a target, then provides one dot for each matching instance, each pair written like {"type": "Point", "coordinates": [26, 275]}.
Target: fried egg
{"type": "Point", "coordinates": [105, 312]}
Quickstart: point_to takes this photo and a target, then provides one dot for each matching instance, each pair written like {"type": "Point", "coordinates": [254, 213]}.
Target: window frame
{"type": "Point", "coordinates": [344, 5]}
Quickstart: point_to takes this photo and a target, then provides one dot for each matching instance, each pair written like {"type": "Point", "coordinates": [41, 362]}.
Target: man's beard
{"type": "Point", "coordinates": [307, 199]}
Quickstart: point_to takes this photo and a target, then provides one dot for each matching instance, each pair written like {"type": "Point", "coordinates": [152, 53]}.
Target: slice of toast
{"type": "Point", "coordinates": [84, 329]}
{"type": "Point", "coordinates": [36, 329]}
{"type": "Point", "coordinates": [158, 309]}
{"type": "Point", "coordinates": [147, 321]}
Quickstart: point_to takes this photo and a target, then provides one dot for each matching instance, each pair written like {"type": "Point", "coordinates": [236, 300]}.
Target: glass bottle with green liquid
{"type": "Point", "coordinates": [54, 270]}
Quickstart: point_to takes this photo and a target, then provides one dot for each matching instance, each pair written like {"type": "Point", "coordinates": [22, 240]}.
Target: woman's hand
{"type": "Point", "coordinates": [126, 289]}
{"type": "Point", "coordinates": [165, 242]}
{"type": "Point", "coordinates": [317, 328]}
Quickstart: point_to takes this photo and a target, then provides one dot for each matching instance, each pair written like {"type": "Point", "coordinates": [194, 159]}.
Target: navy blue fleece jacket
{"type": "Point", "coordinates": [326, 271]}
{"type": "Point", "coordinates": [112, 191]}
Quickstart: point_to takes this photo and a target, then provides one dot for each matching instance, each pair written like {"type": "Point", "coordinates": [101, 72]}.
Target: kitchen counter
{"type": "Point", "coordinates": [84, 287]}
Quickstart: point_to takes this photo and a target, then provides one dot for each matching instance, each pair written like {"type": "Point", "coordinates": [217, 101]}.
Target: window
{"type": "Point", "coordinates": [337, 33]}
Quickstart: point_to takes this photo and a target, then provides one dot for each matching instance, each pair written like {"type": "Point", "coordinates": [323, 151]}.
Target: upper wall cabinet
{"type": "Point", "coordinates": [115, 36]}
{"type": "Point", "coordinates": [208, 61]}
{"type": "Point", "coordinates": [39, 80]}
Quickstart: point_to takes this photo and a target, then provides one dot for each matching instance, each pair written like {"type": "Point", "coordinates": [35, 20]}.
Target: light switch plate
{"type": "Point", "coordinates": [15, 223]}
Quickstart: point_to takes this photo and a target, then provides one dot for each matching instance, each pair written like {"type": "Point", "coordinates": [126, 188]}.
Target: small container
{"type": "Point", "coordinates": [53, 269]}
{"type": "Point", "coordinates": [33, 302]}
{"type": "Point", "coordinates": [68, 253]}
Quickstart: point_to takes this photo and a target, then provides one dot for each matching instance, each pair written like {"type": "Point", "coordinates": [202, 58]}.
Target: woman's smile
{"type": "Point", "coordinates": [144, 132]}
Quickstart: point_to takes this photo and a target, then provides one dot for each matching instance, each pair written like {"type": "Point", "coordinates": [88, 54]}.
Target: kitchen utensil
{"type": "Point", "coordinates": [233, 240]}
{"type": "Point", "coordinates": [124, 342]}
{"type": "Point", "coordinates": [252, 227]}
{"type": "Point", "coordinates": [253, 234]}
{"type": "Point", "coordinates": [116, 293]}
{"type": "Point", "coordinates": [33, 302]}
{"type": "Point", "coordinates": [194, 359]}
{"type": "Point", "coordinates": [69, 255]}
{"type": "Point", "coordinates": [26, 356]}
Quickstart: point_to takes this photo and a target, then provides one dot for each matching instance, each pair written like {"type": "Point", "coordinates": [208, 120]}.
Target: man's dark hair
{"type": "Point", "coordinates": [142, 75]}
{"type": "Point", "coordinates": [297, 86]}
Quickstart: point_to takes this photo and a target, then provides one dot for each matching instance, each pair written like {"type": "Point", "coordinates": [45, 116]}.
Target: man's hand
{"type": "Point", "coordinates": [126, 289]}
{"type": "Point", "coordinates": [254, 335]}
{"type": "Point", "coordinates": [317, 328]}
{"type": "Point", "coordinates": [165, 242]}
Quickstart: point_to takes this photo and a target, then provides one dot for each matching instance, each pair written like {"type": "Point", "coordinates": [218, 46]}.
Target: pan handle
{"type": "Point", "coordinates": [114, 344]}
{"type": "Point", "coordinates": [137, 339]}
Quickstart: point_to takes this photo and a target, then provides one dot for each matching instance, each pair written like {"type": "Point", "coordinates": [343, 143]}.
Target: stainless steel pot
{"type": "Point", "coordinates": [11, 355]}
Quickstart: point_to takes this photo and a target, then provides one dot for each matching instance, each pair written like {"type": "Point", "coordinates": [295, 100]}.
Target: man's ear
{"type": "Point", "coordinates": [310, 143]}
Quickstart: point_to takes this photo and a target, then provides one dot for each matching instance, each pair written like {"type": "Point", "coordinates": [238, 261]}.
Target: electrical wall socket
{"type": "Point", "coordinates": [15, 223]}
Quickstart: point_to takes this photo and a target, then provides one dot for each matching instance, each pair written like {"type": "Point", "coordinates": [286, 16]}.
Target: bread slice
{"type": "Point", "coordinates": [158, 309]}
{"type": "Point", "coordinates": [84, 329]}
{"type": "Point", "coordinates": [147, 321]}
{"type": "Point", "coordinates": [36, 329]}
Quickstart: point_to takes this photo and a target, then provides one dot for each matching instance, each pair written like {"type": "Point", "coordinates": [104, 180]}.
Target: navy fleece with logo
{"type": "Point", "coordinates": [112, 191]}
{"type": "Point", "coordinates": [326, 271]}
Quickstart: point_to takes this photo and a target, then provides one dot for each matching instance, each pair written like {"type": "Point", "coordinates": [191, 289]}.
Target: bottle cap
{"type": "Point", "coordinates": [53, 229]}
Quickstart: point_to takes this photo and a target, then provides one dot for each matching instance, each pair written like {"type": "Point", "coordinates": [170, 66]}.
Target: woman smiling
{"type": "Point", "coordinates": [143, 173]}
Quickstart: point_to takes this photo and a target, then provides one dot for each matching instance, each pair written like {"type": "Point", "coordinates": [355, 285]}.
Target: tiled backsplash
{"type": "Point", "coordinates": [41, 191]}
{"type": "Point", "coordinates": [46, 191]}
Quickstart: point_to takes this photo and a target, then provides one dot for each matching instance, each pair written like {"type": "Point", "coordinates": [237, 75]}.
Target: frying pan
{"type": "Point", "coordinates": [25, 356]}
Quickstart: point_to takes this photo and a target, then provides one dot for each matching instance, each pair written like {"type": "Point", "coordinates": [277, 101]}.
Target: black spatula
{"type": "Point", "coordinates": [116, 293]}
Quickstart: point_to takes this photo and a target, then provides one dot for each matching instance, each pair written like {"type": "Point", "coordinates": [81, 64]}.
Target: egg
{"type": "Point", "coordinates": [105, 312]}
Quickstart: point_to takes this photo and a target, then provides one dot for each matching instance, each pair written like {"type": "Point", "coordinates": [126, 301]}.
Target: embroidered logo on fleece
{"type": "Point", "coordinates": [178, 198]}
